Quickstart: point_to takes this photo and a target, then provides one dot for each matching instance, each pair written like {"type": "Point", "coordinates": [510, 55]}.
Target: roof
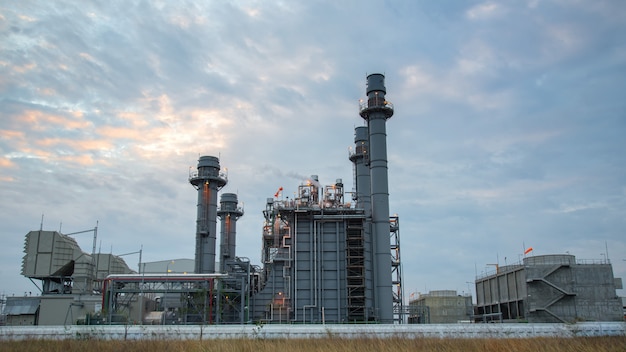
{"type": "Point", "coordinates": [21, 306]}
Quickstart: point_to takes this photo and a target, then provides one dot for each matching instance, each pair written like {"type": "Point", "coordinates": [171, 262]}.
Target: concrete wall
{"type": "Point", "coordinates": [67, 309]}
{"type": "Point", "coordinates": [252, 331]}
{"type": "Point", "coordinates": [21, 320]}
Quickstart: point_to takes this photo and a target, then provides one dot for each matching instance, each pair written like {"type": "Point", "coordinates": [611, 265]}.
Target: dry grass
{"type": "Point", "coordinates": [588, 344]}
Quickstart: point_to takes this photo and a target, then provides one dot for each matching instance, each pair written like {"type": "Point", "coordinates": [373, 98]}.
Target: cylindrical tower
{"type": "Point", "coordinates": [360, 159]}
{"type": "Point", "coordinates": [229, 213]}
{"type": "Point", "coordinates": [208, 181]}
{"type": "Point", "coordinates": [376, 112]}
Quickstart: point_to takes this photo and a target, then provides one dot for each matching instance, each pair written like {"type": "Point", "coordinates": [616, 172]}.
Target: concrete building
{"type": "Point", "coordinates": [550, 288]}
{"type": "Point", "coordinates": [441, 307]}
{"type": "Point", "coordinates": [21, 311]}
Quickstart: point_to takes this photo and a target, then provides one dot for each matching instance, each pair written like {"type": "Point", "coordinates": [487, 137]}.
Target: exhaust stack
{"type": "Point", "coordinates": [208, 180]}
{"type": "Point", "coordinates": [229, 213]}
{"type": "Point", "coordinates": [376, 111]}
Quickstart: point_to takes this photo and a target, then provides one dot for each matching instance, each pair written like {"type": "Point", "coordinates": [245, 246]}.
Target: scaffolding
{"type": "Point", "coordinates": [175, 299]}
{"type": "Point", "coordinates": [355, 270]}
{"type": "Point", "coordinates": [396, 271]}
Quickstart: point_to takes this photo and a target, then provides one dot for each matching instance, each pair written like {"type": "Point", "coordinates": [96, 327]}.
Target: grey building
{"type": "Point", "coordinates": [69, 278]}
{"type": "Point", "coordinates": [550, 288]}
{"type": "Point", "coordinates": [440, 307]}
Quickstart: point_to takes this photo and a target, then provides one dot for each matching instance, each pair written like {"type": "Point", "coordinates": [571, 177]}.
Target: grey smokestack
{"type": "Point", "coordinates": [229, 213]}
{"type": "Point", "coordinates": [376, 112]}
{"type": "Point", "coordinates": [360, 159]}
{"type": "Point", "coordinates": [208, 181]}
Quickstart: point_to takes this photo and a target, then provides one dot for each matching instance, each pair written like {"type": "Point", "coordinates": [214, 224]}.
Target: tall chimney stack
{"type": "Point", "coordinates": [229, 213]}
{"type": "Point", "coordinates": [208, 181]}
{"type": "Point", "coordinates": [376, 111]}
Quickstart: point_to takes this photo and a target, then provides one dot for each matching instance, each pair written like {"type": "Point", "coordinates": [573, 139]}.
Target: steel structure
{"type": "Point", "coordinates": [325, 260]}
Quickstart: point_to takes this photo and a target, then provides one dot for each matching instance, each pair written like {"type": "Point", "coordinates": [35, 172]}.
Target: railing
{"type": "Point", "coordinates": [544, 260]}
{"type": "Point", "coordinates": [593, 261]}
{"type": "Point", "coordinates": [195, 174]}
{"type": "Point", "coordinates": [375, 103]}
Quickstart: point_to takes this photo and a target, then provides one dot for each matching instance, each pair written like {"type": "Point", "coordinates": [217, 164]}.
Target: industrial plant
{"type": "Point", "coordinates": [325, 259]}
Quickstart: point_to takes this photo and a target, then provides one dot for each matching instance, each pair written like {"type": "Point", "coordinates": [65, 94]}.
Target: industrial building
{"type": "Point", "coordinates": [68, 280]}
{"type": "Point", "coordinates": [440, 307]}
{"type": "Point", "coordinates": [550, 289]}
{"type": "Point", "coordinates": [324, 259]}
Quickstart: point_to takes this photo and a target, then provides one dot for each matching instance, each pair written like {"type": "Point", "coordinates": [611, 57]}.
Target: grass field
{"type": "Point", "coordinates": [587, 344]}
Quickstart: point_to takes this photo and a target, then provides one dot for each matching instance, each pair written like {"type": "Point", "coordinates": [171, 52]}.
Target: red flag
{"type": "Point", "coordinates": [530, 249]}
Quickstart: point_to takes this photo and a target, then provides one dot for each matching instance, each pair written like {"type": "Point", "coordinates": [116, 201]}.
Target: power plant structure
{"type": "Point", "coordinates": [554, 288]}
{"type": "Point", "coordinates": [324, 259]}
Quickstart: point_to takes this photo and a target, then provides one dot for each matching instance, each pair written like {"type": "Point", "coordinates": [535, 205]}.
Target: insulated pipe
{"type": "Point", "coordinates": [376, 112]}
{"type": "Point", "coordinates": [229, 213]}
{"type": "Point", "coordinates": [208, 181]}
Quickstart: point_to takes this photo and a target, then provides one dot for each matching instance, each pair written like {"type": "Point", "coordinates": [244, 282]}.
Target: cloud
{"type": "Point", "coordinates": [485, 10]}
{"type": "Point", "coordinates": [508, 123]}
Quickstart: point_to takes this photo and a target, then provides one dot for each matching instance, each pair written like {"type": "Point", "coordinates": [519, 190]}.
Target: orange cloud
{"type": "Point", "coordinates": [46, 91]}
{"type": "Point", "coordinates": [9, 134]}
{"type": "Point", "coordinates": [37, 153]}
{"type": "Point", "coordinates": [6, 179]}
{"type": "Point", "coordinates": [83, 160]}
{"type": "Point", "coordinates": [24, 68]}
{"type": "Point", "coordinates": [135, 119]}
{"type": "Point", "coordinates": [79, 145]}
{"type": "Point", "coordinates": [121, 133]}
{"type": "Point", "coordinates": [6, 163]}
{"type": "Point", "coordinates": [39, 120]}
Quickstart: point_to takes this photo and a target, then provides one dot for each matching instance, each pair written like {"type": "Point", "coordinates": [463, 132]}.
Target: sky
{"type": "Point", "coordinates": [508, 130]}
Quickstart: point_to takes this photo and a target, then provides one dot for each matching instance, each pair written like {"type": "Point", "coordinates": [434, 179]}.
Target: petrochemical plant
{"type": "Point", "coordinates": [324, 260]}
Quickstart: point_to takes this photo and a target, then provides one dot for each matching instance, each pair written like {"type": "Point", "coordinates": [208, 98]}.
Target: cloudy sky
{"type": "Point", "coordinates": [509, 126]}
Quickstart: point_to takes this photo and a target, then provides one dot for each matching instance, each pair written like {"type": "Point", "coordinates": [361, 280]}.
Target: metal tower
{"type": "Point", "coordinates": [360, 159]}
{"type": "Point", "coordinates": [229, 213]}
{"type": "Point", "coordinates": [208, 180]}
{"type": "Point", "coordinates": [361, 276]}
{"type": "Point", "coordinates": [376, 111]}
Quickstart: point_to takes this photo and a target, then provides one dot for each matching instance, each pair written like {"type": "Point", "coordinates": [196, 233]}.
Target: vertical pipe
{"type": "Point", "coordinates": [376, 113]}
